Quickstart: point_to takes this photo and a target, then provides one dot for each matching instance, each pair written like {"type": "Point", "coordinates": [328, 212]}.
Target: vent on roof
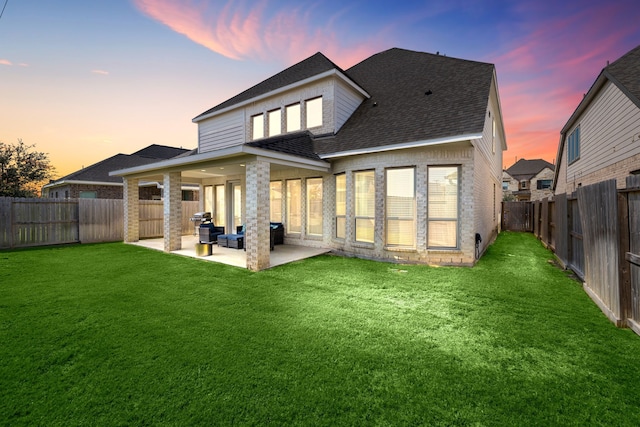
{"type": "Point", "coordinates": [428, 92]}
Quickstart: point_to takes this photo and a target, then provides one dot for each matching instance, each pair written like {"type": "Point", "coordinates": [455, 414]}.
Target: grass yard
{"type": "Point", "coordinates": [114, 334]}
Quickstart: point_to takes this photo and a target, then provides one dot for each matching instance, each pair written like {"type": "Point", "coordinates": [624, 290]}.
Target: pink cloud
{"type": "Point", "coordinates": [101, 72]}
{"type": "Point", "coordinates": [5, 62]}
{"type": "Point", "coordinates": [264, 31]}
{"type": "Point", "coordinates": [544, 75]}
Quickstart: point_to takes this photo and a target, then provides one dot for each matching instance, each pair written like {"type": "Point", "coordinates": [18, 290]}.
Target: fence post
{"type": "Point", "coordinates": [623, 247]}
{"type": "Point", "coordinates": [6, 222]}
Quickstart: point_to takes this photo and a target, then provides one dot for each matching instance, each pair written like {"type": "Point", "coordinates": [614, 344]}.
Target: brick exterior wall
{"type": "Point", "coordinates": [131, 210]}
{"type": "Point", "coordinates": [536, 194]}
{"type": "Point", "coordinates": [172, 211]}
{"type": "Point", "coordinates": [618, 171]}
{"type": "Point", "coordinates": [257, 233]}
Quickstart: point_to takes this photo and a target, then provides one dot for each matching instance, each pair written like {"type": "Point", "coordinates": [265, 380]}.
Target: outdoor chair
{"type": "Point", "coordinates": [209, 233]}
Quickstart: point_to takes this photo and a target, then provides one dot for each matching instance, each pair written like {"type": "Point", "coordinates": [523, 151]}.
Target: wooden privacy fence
{"type": "Point", "coordinates": [38, 222]}
{"type": "Point", "coordinates": [596, 233]}
{"type": "Point", "coordinates": [517, 216]}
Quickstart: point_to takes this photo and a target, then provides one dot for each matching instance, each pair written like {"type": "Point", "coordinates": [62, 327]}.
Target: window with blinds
{"type": "Point", "coordinates": [401, 207]}
{"type": "Point", "coordinates": [341, 206]}
{"type": "Point", "coordinates": [442, 206]}
{"type": "Point", "coordinates": [364, 206]}
{"type": "Point", "coordinates": [314, 206]}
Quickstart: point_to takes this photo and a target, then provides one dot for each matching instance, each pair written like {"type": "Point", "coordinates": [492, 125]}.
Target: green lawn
{"type": "Point", "coordinates": [114, 334]}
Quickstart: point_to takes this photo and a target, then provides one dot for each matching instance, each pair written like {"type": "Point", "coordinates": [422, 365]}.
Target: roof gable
{"type": "Point", "coordinates": [312, 66]}
{"type": "Point", "coordinates": [99, 172]}
{"type": "Point", "coordinates": [527, 169]}
{"type": "Point", "coordinates": [625, 71]}
{"type": "Point", "coordinates": [415, 96]}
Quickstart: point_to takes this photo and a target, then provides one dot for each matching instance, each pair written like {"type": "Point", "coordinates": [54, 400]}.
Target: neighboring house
{"type": "Point", "coordinates": [528, 180]}
{"type": "Point", "coordinates": [398, 158]}
{"type": "Point", "coordinates": [94, 182]}
{"type": "Point", "coordinates": [601, 139]}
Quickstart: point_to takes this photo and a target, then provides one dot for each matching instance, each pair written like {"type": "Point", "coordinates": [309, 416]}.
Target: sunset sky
{"type": "Point", "coordinates": [85, 80]}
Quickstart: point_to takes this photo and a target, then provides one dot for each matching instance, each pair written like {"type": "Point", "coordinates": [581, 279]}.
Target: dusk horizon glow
{"type": "Point", "coordinates": [89, 81]}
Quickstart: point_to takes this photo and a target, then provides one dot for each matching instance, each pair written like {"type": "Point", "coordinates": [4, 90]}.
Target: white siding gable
{"type": "Point", "coordinates": [221, 131]}
{"type": "Point", "coordinates": [347, 100]}
{"type": "Point", "coordinates": [339, 101]}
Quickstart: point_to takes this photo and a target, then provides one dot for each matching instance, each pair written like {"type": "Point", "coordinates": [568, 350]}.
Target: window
{"type": "Point", "coordinates": [237, 205]}
{"type": "Point", "coordinates": [294, 205]}
{"type": "Point", "coordinates": [365, 206]}
{"type": "Point", "coordinates": [293, 117]}
{"type": "Point", "coordinates": [275, 122]}
{"type": "Point", "coordinates": [88, 195]}
{"type": "Point", "coordinates": [443, 206]}
{"type": "Point", "coordinates": [257, 126]}
{"type": "Point", "coordinates": [493, 136]}
{"type": "Point", "coordinates": [314, 112]}
{"type": "Point", "coordinates": [505, 185]}
{"type": "Point", "coordinates": [543, 184]}
{"type": "Point", "coordinates": [275, 201]}
{"type": "Point", "coordinates": [314, 206]}
{"type": "Point", "coordinates": [341, 206]}
{"type": "Point", "coordinates": [401, 207]}
{"type": "Point", "coordinates": [219, 207]}
{"type": "Point", "coordinates": [573, 148]}
{"type": "Point", "coordinates": [208, 199]}
{"type": "Point", "coordinates": [524, 184]}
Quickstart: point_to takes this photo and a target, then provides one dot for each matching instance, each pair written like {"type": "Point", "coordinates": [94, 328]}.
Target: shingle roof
{"type": "Point", "coordinates": [415, 96]}
{"type": "Point", "coordinates": [626, 71]}
{"type": "Point", "coordinates": [299, 144]}
{"type": "Point", "coordinates": [312, 66]}
{"type": "Point", "coordinates": [160, 151]}
{"type": "Point", "coordinates": [527, 169]}
{"type": "Point", "coordinates": [99, 172]}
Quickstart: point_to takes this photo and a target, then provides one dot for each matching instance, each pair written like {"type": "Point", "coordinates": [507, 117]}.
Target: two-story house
{"type": "Point", "coordinates": [601, 139]}
{"type": "Point", "coordinates": [528, 180]}
{"type": "Point", "coordinates": [397, 158]}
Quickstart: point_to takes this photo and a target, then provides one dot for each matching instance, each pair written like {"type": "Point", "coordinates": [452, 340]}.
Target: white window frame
{"type": "Point", "coordinates": [313, 215]}
{"type": "Point", "coordinates": [432, 218]}
{"type": "Point", "coordinates": [293, 117]}
{"type": "Point", "coordinates": [341, 206]}
{"type": "Point", "coordinates": [274, 122]}
{"type": "Point", "coordinates": [364, 208]}
{"type": "Point", "coordinates": [257, 126]}
{"type": "Point", "coordinates": [313, 112]}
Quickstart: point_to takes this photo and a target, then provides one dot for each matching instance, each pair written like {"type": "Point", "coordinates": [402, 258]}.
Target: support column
{"type": "Point", "coordinates": [172, 211]}
{"type": "Point", "coordinates": [131, 203]}
{"type": "Point", "coordinates": [258, 232]}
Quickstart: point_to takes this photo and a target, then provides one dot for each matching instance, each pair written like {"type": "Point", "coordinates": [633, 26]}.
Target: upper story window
{"type": "Point", "coordinates": [544, 184]}
{"type": "Point", "coordinates": [293, 117]}
{"type": "Point", "coordinates": [313, 112]}
{"type": "Point", "coordinates": [493, 136]}
{"type": "Point", "coordinates": [275, 122]}
{"type": "Point", "coordinates": [524, 184]}
{"type": "Point", "coordinates": [505, 185]}
{"type": "Point", "coordinates": [257, 126]}
{"type": "Point", "coordinates": [573, 148]}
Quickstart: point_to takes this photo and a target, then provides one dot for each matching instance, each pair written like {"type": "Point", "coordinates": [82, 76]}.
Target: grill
{"type": "Point", "coordinates": [198, 218]}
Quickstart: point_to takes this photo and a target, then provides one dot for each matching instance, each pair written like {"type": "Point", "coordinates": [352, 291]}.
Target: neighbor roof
{"type": "Point", "coordinates": [305, 69]}
{"type": "Point", "coordinates": [527, 169]}
{"type": "Point", "coordinates": [415, 96]}
{"type": "Point", "coordinates": [99, 172]}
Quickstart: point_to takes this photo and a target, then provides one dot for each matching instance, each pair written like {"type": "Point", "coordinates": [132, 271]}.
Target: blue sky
{"type": "Point", "coordinates": [84, 80]}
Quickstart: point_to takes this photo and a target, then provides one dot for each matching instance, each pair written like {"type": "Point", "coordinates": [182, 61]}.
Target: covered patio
{"type": "Point", "coordinates": [243, 173]}
{"type": "Point", "coordinates": [282, 254]}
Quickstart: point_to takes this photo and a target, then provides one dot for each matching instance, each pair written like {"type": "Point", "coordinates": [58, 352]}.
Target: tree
{"type": "Point", "coordinates": [23, 170]}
